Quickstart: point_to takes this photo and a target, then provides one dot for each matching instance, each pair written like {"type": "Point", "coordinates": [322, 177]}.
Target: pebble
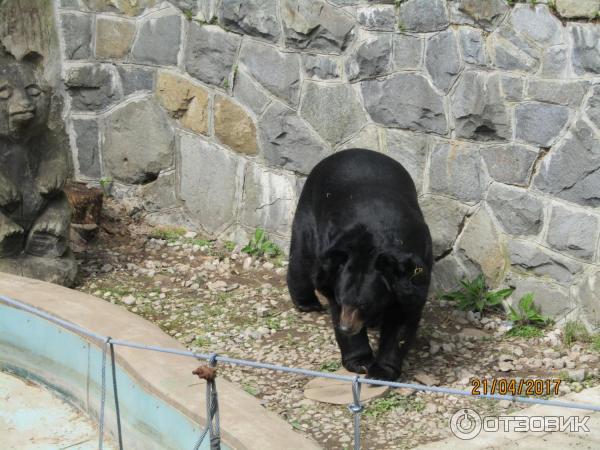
{"type": "Point", "coordinates": [128, 299]}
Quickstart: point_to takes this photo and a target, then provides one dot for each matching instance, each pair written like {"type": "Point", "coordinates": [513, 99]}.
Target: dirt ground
{"type": "Point", "coordinates": [213, 298]}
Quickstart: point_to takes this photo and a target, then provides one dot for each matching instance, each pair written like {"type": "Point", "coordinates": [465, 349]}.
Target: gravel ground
{"type": "Point", "coordinates": [212, 298]}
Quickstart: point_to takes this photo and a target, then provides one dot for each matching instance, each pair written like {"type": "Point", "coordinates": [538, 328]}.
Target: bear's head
{"type": "Point", "coordinates": [365, 279]}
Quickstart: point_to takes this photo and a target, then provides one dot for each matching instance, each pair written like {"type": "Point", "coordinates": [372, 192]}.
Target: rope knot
{"type": "Point", "coordinates": [205, 373]}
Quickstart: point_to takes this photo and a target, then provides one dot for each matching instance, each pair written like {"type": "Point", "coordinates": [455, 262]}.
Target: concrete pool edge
{"type": "Point", "coordinates": [245, 423]}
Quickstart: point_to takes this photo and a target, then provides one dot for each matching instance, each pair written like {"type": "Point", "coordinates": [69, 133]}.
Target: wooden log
{"type": "Point", "coordinates": [86, 203]}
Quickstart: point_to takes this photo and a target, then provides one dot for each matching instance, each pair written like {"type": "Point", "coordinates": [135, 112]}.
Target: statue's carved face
{"type": "Point", "coordinates": [24, 104]}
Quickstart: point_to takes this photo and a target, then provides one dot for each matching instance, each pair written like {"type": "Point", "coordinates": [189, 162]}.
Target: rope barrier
{"type": "Point", "coordinates": [213, 424]}
{"type": "Point", "coordinates": [117, 409]}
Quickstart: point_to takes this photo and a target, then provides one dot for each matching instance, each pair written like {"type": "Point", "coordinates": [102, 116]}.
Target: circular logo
{"type": "Point", "coordinates": [465, 424]}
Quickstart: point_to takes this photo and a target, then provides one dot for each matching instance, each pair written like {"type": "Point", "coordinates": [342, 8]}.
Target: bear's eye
{"type": "Point", "coordinates": [33, 90]}
{"type": "Point", "coordinates": [4, 92]}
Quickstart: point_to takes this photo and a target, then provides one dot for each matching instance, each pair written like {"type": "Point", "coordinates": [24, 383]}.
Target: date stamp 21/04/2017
{"type": "Point", "coordinates": [512, 386]}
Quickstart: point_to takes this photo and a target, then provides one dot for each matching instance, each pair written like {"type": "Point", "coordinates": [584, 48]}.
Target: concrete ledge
{"type": "Point", "coordinates": [245, 423]}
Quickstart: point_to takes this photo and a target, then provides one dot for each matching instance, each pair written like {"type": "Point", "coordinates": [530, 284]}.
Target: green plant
{"type": "Point", "coordinates": [330, 366]}
{"type": "Point", "coordinates": [575, 331]}
{"type": "Point", "coordinates": [252, 390]}
{"type": "Point", "coordinates": [527, 313]}
{"type": "Point", "coordinates": [106, 184]}
{"type": "Point", "coordinates": [525, 331]}
{"type": "Point", "coordinates": [475, 296]}
{"type": "Point", "coordinates": [260, 245]}
{"type": "Point", "coordinates": [188, 14]}
{"type": "Point", "coordinates": [596, 343]}
{"type": "Point", "coordinates": [169, 234]}
{"type": "Point", "coordinates": [383, 405]}
{"type": "Point", "coordinates": [229, 245]}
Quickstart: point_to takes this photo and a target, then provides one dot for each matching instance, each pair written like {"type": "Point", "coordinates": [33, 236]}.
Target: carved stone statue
{"type": "Point", "coordinates": [34, 212]}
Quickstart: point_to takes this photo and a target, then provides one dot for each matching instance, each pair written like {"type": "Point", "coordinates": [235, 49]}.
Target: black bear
{"type": "Point", "coordinates": [359, 241]}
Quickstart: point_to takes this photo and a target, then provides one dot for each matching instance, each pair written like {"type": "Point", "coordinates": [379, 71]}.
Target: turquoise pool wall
{"type": "Point", "coordinates": [35, 348]}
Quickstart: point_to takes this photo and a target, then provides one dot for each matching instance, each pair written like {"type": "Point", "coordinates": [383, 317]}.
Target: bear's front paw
{"type": "Point", "coordinates": [377, 372]}
{"type": "Point", "coordinates": [358, 364]}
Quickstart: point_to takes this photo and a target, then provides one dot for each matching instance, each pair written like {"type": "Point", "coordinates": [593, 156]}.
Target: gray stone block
{"type": "Point", "coordinates": [77, 35]}
{"type": "Point", "coordinates": [91, 87]}
{"type": "Point", "coordinates": [370, 59]}
{"type": "Point", "coordinates": [537, 24]}
{"type": "Point", "coordinates": [368, 137]}
{"type": "Point", "coordinates": [510, 164]}
{"type": "Point", "coordinates": [287, 141]}
{"type": "Point", "coordinates": [138, 142]}
{"type": "Point", "coordinates": [334, 111]}
{"type": "Point", "coordinates": [442, 59]}
{"type": "Point", "coordinates": [210, 183]}
{"type": "Point", "coordinates": [586, 293]}
{"type": "Point", "coordinates": [529, 257]}
{"type": "Point", "coordinates": [566, 93]}
{"type": "Point", "coordinates": [486, 13]}
{"type": "Point", "coordinates": [411, 150]}
{"type": "Point", "coordinates": [478, 108]}
{"type": "Point", "coordinates": [447, 274]}
{"type": "Point", "coordinates": [512, 87]}
{"type": "Point", "coordinates": [210, 53]}
{"type": "Point", "coordinates": [445, 219]}
{"type": "Point", "coordinates": [249, 93]}
{"type": "Point", "coordinates": [320, 67]}
{"type": "Point", "coordinates": [573, 232]}
{"type": "Point", "coordinates": [407, 51]}
{"type": "Point", "coordinates": [578, 8]}
{"type": "Point", "coordinates": [277, 71]}
{"type": "Point", "coordinates": [315, 25]}
{"type": "Point", "coordinates": [571, 171]}
{"type": "Point", "coordinates": [586, 51]}
{"type": "Point", "coordinates": [377, 17]}
{"type": "Point", "coordinates": [592, 107]}
{"type": "Point", "coordinates": [412, 17]}
{"type": "Point", "coordinates": [405, 100]}
{"type": "Point", "coordinates": [269, 200]}
{"type": "Point", "coordinates": [555, 62]}
{"type": "Point", "coordinates": [88, 152]}
{"type": "Point", "coordinates": [552, 299]}
{"type": "Point", "coordinates": [540, 123]}
{"type": "Point", "coordinates": [472, 45]}
{"type": "Point", "coordinates": [135, 79]}
{"type": "Point", "coordinates": [252, 17]}
{"type": "Point", "coordinates": [455, 170]}
{"type": "Point", "coordinates": [513, 52]}
{"type": "Point", "coordinates": [519, 212]}
{"type": "Point", "coordinates": [159, 194]}
{"type": "Point", "coordinates": [158, 41]}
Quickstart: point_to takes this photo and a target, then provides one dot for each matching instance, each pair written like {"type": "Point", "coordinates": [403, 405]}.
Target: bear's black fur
{"type": "Point", "coordinates": [359, 240]}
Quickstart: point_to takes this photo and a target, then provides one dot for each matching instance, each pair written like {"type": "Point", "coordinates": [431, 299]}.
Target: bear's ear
{"type": "Point", "coordinates": [401, 273]}
{"type": "Point", "coordinates": [329, 265]}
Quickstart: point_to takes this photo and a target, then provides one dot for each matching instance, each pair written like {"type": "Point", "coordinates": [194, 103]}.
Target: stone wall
{"type": "Point", "coordinates": [211, 113]}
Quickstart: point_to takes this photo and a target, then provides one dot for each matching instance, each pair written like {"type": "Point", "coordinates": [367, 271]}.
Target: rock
{"type": "Point", "coordinates": [138, 142]}
{"type": "Point", "coordinates": [128, 300]}
{"type": "Point", "coordinates": [532, 259]}
{"type": "Point", "coordinates": [209, 185]}
{"type": "Point", "coordinates": [255, 18]}
{"type": "Point", "coordinates": [367, 137]}
{"type": "Point", "coordinates": [247, 263]}
{"type": "Point", "coordinates": [587, 293]}
{"type": "Point", "coordinates": [447, 273]}
{"type": "Point", "coordinates": [159, 194]}
{"type": "Point", "coordinates": [510, 164]}
{"type": "Point", "coordinates": [247, 92]}
{"type": "Point", "coordinates": [320, 67]}
{"type": "Point", "coordinates": [426, 379]}
{"type": "Point", "coordinates": [277, 71]}
{"type": "Point", "coordinates": [455, 170]}
{"type": "Point", "coordinates": [126, 7]}
{"type": "Point", "coordinates": [578, 8]}
{"type": "Point", "coordinates": [472, 44]}
{"type": "Point", "coordinates": [210, 53]}
{"type": "Point", "coordinates": [571, 171]}
{"type": "Point", "coordinates": [411, 150]}
{"type": "Point", "coordinates": [434, 347]}
{"type": "Point", "coordinates": [576, 374]}
{"type": "Point", "coordinates": [269, 200]}
{"type": "Point", "coordinates": [540, 123]}
{"type": "Point", "coordinates": [512, 87]}
{"type": "Point", "coordinates": [566, 93]}
{"type": "Point", "coordinates": [158, 41]}
{"type": "Point", "coordinates": [519, 212]}
{"type": "Point", "coordinates": [552, 299]}
{"type": "Point", "coordinates": [377, 17]}
{"type": "Point", "coordinates": [407, 51]}
{"type": "Point", "coordinates": [472, 333]}
{"type": "Point", "coordinates": [478, 108]}
{"type": "Point", "coordinates": [585, 54]}
{"type": "Point", "coordinates": [113, 38]}
{"type": "Point", "coordinates": [511, 52]}
{"type": "Point", "coordinates": [334, 111]}
{"type": "Point", "coordinates": [370, 59]}
{"type": "Point", "coordinates": [444, 218]}
{"type": "Point", "coordinates": [286, 140]}
{"type": "Point", "coordinates": [481, 244]}
{"type": "Point", "coordinates": [218, 285]}
{"type": "Point", "coordinates": [486, 13]}
{"type": "Point", "coordinates": [413, 19]}
{"type": "Point", "coordinates": [234, 127]}
{"type": "Point", "coordinates": [442, 59]}
{"type": "Point", "coordinates": [554, 62]}
{"type": "Point", "coordinates": [106, 268]}
{"type": "Point", "coordinates": [184, 101]}
{"type": "Point", "coordinates": [314, 25]}
{"type": "Point", "coordinates": [135, 79]}
{"type": "Point", "coordinates": [537, 24]}
{"type": "Point", "coordinates": [77, 35]}
{"type": "Point", "coordinates": [505, 366]}
{"type": "Point", "coordinates": [573, 232]}
{"type": "Point", "coordinates": [91, 87]}
{"type": "Point", "coordinates": [88, 152]}
{"type": "Point", "coordinates": [405, 100]}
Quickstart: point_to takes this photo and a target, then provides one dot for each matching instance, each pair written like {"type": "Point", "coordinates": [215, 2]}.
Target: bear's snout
{"type": "Point", "coordinates": [350, 321]}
